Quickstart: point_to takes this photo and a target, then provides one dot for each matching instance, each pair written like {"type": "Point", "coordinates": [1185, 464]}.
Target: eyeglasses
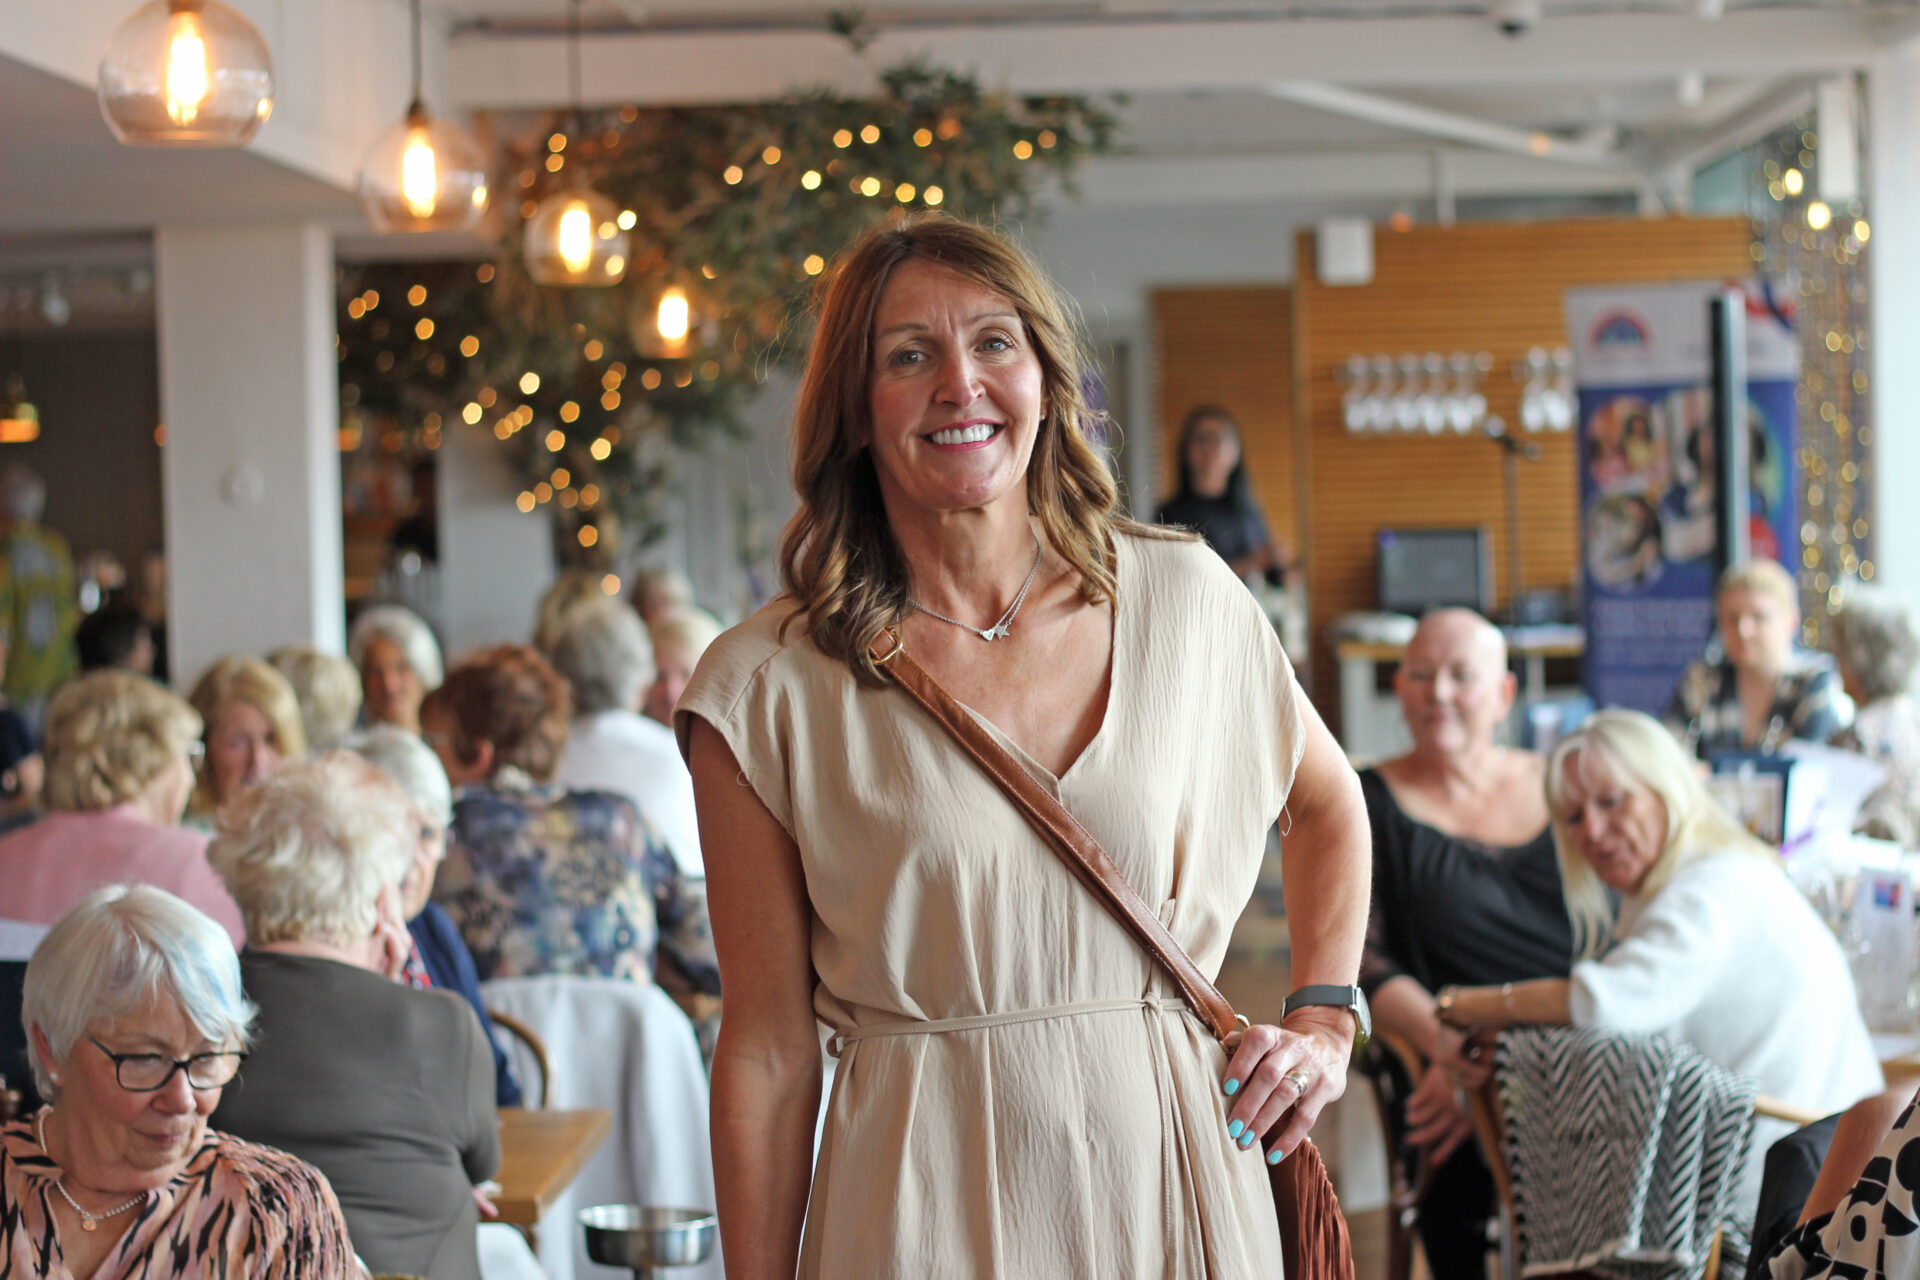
{"type": "Point", "coordinates": [196, 753]}
{"type": "Point", "coordinates": [150, 1072]}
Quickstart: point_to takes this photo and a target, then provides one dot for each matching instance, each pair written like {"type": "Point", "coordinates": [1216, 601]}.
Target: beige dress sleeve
{"type": "Point", "coordinates": [1021, 1093]}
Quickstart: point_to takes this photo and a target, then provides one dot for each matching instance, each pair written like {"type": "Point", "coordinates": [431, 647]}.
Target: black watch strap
{"type": "Point", "coordinates": [1334, 996]}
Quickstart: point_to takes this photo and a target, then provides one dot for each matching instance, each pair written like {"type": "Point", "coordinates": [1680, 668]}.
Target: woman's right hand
{"type": "Point", "coordinates": [1437, 1119]}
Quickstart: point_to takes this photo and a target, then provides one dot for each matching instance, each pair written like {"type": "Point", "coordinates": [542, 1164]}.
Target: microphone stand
{"type": "Point", "coordinates": [1512, 449]}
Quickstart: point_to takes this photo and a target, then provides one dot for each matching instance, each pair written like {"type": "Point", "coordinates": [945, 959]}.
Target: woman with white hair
{"type": "Point", "coordinates": [607, 658]}
{"type": "Point", "coordinates": [1712, 945]}
{"type": "Point", "coordinates": [387, 1090]}
{"type": "Point", "coordinates": [440, 957]}
{"type": "Point", "coordinates": [1876, 638]}
{"type": "Point", "coordinates": [399, 663]}
{"type": "Point", "coordinates": [121, 753]}
{"type": "Point", "coordinates": [136, 1023]}
{"type": "Point", "coordinates": [327, 688]}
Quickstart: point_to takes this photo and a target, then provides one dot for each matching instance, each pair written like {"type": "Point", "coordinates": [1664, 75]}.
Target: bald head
{"type": "Point", "coordinates": [1447, 634]}
{"type": "Point", "coordinates": [1453, 683]}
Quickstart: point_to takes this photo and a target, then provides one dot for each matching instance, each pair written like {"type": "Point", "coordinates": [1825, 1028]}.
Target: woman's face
{"type": "Point", "coordinates": [117, 1140]}
{"type": "Point", "coordinates": [675, 670]}
{"type": "Point", "coordinates": [1454, 690]}
{"type": "Point", "coordinates": [390, 686]}
{"type": "Point", "coordinates": [955, 393]}
{"type": "Point", "coordinates": [243, 751]}
{"type": "Point", "coordinates": [1756, 629]}
{"type": "Point", "coordinates": [1612, 820]}
{"type": "Point", "coordinates": [429, 849]}
{"type": "Point", "coordinates": [1213, 451]}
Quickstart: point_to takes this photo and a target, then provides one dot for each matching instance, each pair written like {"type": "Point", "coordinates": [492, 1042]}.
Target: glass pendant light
{"type": "Point", "coordinates": [185, 73]}
{"type": "Point", "coordinates": [423, 174]}
{"type": "Point", "coordinates": [574, 237]}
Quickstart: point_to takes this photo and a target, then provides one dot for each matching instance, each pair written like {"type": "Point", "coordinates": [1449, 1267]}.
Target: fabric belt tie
{"type": "Point", "coordinates": [839, 1040]}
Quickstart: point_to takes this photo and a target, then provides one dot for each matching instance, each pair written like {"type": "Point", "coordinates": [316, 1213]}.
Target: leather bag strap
{"type": "Point", "coordinates": [1062, 833]}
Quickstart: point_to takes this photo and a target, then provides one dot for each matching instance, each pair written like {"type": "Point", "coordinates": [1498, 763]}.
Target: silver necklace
{"type": "Point", "coordinates": [88, 1221]}
{"type": "Point", "coordinates": [1002, 628]}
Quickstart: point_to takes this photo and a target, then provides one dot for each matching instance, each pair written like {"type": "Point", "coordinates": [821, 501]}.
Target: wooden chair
{"type": "Point", "coordinates": [536, 1049]}
{"type": "Point", "coordinates": [1394, 1067]}
{"type": "Point", "coordinates": [1490, 1128]}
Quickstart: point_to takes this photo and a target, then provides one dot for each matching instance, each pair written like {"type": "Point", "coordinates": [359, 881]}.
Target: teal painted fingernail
{"type": "Point", "coordinates": [1233, 1087]}
{"type": "Point", "coordinates": [1246, 1139]}
{"type": "Point", "coordinates": [1233, 1128]}
{"type": "Point", "coordinates": [1275, 1156]}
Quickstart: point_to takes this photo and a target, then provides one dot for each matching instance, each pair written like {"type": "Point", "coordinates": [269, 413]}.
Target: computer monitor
{"type": "Point", "coordinates": [1422, 569]}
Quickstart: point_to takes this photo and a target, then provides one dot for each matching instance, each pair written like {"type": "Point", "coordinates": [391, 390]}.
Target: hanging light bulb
{"type": "Point", "coordinates": [674, 317]}
{"type": "Point", "coordinates": [575, 237]}
{"type": "Point", "coordinates": [19, 420]}
{"type": "Point", "coordinates": [423, 174]}
{"type": "Point", "coordinates": [185, 73]}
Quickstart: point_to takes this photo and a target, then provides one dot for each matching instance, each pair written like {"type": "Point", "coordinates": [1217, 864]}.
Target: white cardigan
{"type": "Point", "coordinates": [1730, 958]}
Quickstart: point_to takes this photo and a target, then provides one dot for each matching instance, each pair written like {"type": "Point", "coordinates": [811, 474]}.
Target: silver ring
{"type": "Point", "coordinates": [1300, 1079]}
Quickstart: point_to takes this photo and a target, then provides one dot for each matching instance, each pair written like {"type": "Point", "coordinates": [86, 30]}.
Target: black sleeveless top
{"type": "Point", "coordinates": [1448, 911]}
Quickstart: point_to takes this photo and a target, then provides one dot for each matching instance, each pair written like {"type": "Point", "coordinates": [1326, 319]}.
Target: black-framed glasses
{"type": "Point", "coordinates": [149, 1072]}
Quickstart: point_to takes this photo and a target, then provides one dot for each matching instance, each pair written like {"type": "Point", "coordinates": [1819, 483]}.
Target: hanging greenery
{"type": "Point", "coordinates": [734, 211]}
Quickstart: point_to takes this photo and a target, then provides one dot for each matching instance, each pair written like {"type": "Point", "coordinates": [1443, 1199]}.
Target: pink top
{"type": "Point", "coordinates": [46, 868]}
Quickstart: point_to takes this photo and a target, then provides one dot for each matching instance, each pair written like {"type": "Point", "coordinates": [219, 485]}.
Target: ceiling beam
{"type": "Point", "coordinates": [1395, 113]}
{"type": "Point", "coordinates": [506, 70]}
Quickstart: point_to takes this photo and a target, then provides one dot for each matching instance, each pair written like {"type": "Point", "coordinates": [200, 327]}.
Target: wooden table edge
{"type": "Point", "coordinates": [524, 1207]}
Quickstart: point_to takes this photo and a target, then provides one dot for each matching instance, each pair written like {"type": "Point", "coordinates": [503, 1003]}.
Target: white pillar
{"type": "Point", "coordinates": [1893, 211]}
{"type": "Point", "coordinates": [495, 562]}
{"type": "Point", "coordinates": [249, 392]}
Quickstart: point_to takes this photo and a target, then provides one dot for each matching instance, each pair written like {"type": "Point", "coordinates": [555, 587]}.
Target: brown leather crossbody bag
{"type": "Point", "coordinates": [1313, 1232]}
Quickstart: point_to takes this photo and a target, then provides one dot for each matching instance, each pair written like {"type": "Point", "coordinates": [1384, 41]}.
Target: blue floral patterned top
{"type": "Point", "coordinates": [544, 880]}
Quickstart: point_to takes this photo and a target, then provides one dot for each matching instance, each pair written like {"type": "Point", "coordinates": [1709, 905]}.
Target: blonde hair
{"type": "Point", "coordinates": [684, 633]}
{"type": "Point", "coordinates": [242, 679]}
{"type": "Point", "coordinates": [308, 852]}
{"type": "Point", "coordinates": [109, 734]}
{"type": "Point", "coordinates": [326, 686]}
{"type": "Point", "coordinates": [1636, 748]}
{"type": "Point", "coordinates": [839, 560]}
{"type": "Point", "coordinates": [1763, 578]}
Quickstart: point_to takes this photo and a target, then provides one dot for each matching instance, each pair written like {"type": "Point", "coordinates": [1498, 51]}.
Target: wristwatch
{"type": "Point", "coordinates": [1338, 997]}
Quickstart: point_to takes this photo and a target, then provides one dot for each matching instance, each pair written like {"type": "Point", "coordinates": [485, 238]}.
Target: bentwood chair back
{"type": "Point", "coordinates": [1490, 1128]}
{"type": "Point", "coordinates": [1394, 1067]}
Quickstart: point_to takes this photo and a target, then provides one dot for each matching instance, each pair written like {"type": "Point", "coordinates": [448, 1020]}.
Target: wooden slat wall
{"type": "Point", "coordinates": [1232, 347]}
{"type": "Point", "coordinates": [1486, 287]}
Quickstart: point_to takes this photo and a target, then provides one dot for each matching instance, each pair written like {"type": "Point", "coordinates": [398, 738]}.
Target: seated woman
{"type": "Point", "coordinates": [1712, 946]}
{"type": "Point", "coordinates": [136, 1022]}
{"type": "Point", "coordinates": [1466, 891]}
{"type": "Point", "coordinates": [327, 688]}
{"type": "Point", "coordinates": [1862, 1214]}
{"type": "Point", "coordinates": [385, 1089]}
{"type": "Point", "coordinates": [440, 959]}
{"type": "Point", "coordinates": [679, 638]}
{"type": "Point", "coordinates": [541, 879]}
{"type": "Point", "coordinates": [253, 725]}
{"type": "Point", "coordinates": [1876, 638]}
{"type": "Point", "coordinates": [399, 663]}
{"type": "Point", "coordinates": [120, 759]}
{"type": "Point", "coordinates": [1756, 689]}
{"type": "Point", "coordinates": [1214, 499]}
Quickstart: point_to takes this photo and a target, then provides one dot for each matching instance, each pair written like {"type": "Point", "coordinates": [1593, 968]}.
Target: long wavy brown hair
{"type": "Point", "coordinates": [839, 560]}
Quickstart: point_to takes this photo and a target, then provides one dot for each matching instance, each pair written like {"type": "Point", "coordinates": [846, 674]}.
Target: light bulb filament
{"type": "Point", "coordinates": [576, 238]}
{"type": "Point", "coordinates": [187, 77]}
{"type": "Point", "coordinates": [419, 174]}
{"type": "Point", "coordinates": [673, 318]}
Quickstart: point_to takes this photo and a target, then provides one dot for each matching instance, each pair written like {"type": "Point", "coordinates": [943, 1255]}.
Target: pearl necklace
{"type": "Point", "coordinates": [1002, 628]}
{"type": "Point", "coordinates": [88, 1221]}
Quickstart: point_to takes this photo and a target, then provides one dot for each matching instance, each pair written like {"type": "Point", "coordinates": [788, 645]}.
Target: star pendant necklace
{"type": "Point", "coordinates": [88, 1221]}
{"type": "Point", "coordinates": [1003, 628]}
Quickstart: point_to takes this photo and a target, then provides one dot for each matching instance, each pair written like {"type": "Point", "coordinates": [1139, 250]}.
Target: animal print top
{"type": "Point", "coordinates": [237, 1210]}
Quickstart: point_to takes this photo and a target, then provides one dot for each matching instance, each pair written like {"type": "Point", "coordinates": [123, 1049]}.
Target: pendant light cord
{"type": "Point", "coordinates": [573, 60]}
{"type": "Point", "coordinates": [416, 56]}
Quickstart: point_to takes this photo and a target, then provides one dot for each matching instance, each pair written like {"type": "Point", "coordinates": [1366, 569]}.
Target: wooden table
{"type": "Point", "coordinates": [540, 1153]}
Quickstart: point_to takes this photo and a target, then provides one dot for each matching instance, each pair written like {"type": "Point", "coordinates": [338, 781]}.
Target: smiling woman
{"type": "Point", "coordinates": [136, 1022]}
{"type": "Point", "coordinates": [981, 998]}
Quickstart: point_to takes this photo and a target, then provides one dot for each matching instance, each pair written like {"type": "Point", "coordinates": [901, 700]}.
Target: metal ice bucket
{"type": "Point", "coordinates": [646, 1239]}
